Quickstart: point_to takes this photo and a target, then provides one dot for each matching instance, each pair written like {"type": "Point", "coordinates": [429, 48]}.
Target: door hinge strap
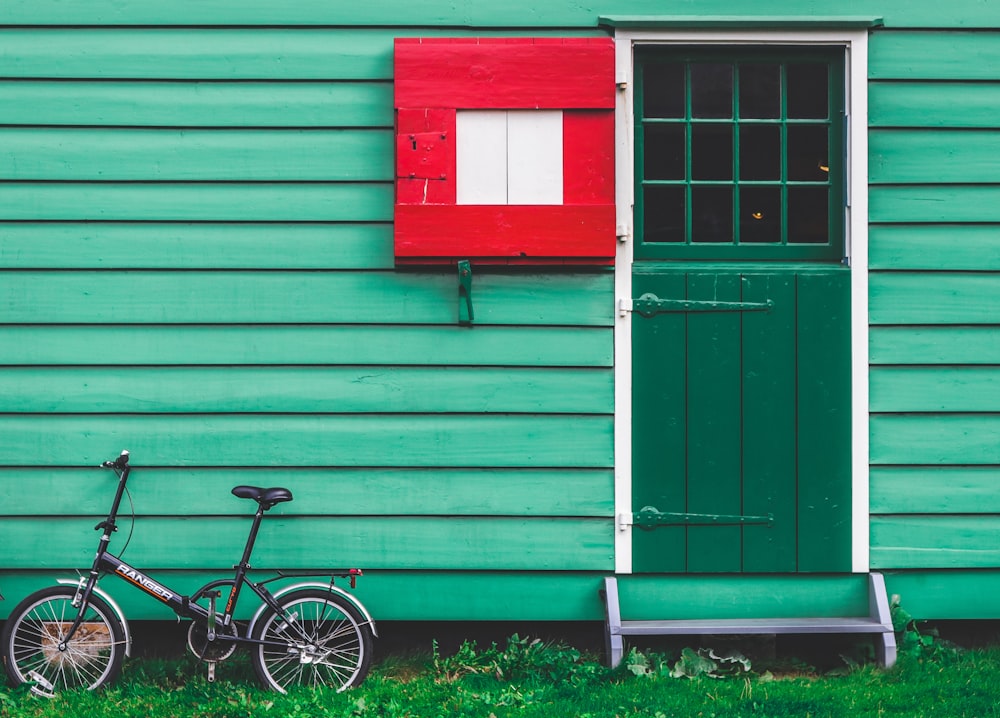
{"type": "Point", "coordinates": [649, 305]}
{"type": "Point", "coordinates": [649, 517]}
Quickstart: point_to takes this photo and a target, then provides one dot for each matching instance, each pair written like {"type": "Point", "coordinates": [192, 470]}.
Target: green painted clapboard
{"type": "Point", "coordinates": [152, 297]}
{"type": "Point", "coordinates": [935, 490]}
{"type": "Point", "coordinates": [932, 156]}
{"type": "Point", "coordinates": [199, 155]}
{"type": "Point", "coordinates": [275, 440]}
{"type": "Point", "coordinates": [338, 491]}
{"type": "Point", "coordinates": [942, 104]}
{"type": "Point", "coordinates": [326, 345]}
{"type": "Point", "coordinates": [389, 542]}
{"type": "Point", "coordinates": [234, 103]}
{"type": "Point", "coordinates": [275, 53]}
{"type": "Point", "coordinates": [934, 345]}
{"type": "Point", "coordinates": [515, 14]}
{"type": "Point", "coordinates": [301, 390]}
{"type": "Point", "coordinates": [934, 439]}
{"type": "Point", "coordinates": [195, 245]}
{"type": "Point", "coordinates": [936, 247]}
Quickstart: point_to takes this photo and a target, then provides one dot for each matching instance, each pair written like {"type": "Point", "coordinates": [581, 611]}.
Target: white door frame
{"type": "Point", "coordinates": [855, 41]}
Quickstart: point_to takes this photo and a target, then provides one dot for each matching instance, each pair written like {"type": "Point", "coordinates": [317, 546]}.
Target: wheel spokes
{"type": "Point", "coordinates": [41, 654]}
{"type": "Point", "coordinates": [314, 661]}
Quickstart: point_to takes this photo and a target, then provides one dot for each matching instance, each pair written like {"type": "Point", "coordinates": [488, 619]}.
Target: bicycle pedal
{"type": "Point", "coordinates": [40, 680]}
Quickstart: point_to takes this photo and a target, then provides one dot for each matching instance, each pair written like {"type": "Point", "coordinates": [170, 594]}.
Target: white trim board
{"type": "Point", "coordinates": [855, 41]}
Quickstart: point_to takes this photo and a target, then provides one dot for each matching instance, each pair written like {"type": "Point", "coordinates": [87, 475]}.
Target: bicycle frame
{"type": "Point", "coordinates": [181, 604]}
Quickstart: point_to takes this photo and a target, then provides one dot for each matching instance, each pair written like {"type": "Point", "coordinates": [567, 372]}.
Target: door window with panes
{"type": "Point", "coordinates": [740, 153]}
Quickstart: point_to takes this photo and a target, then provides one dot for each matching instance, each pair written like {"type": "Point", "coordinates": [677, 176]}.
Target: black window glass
{"type": "Point", "coordinates": [711, 152]}
{"type": "Point", "coordinates": [664, 95]}
{"type": "Point", "coordinates": [808, 91]}
{"type": "Point", "coordinates": [760, 91]}
{"type": "Point", "coordinates": [760, 214]}
{"type": "Point", "coordinates": [712, 214]}
{"type": "Point", "coordinates": [808, 215]}
{"type": "Point", "coordinates": [711, 90]}
{"type": "Point", "coordinates": [664, 151]}
{"type": "Point", "coordinates": [808, 153]}
{"type": "Point", "coordinates": [760, 152]}
{"type": "Point", "coordinates": [663, 214]}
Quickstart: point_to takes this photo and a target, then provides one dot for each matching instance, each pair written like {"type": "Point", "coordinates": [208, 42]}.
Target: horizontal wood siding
{"type": "Point", "coordinates": [196, 201]}
{"type": "Point", "coordinates": [513, 14]}
{"type": "Point", "coordinates": [218, 297]}
{"type": "Point", "coordinates": [395, 595]}
{"type": "Point", "coordinates": [311, 389]}
{"type": "Point", "coordinates": [300, 439]}
{"type": "Point", "coordinates": [196, 264]}
{"type": "Point", "coordinates": [172, 103]}
{"type": "Point", "coordinates": [268, 344]}
{"type": "Point", "coordinates": [199, 155]}
{"type": "Point", "coordinates": [337, 491]}
{"type": "Point", "coordinates": [453, 543]}
{"type": "Point", "coordinates": [935, 314]}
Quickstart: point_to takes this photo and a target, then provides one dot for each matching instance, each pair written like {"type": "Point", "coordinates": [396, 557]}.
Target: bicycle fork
{"type": "Point", "coordinates": [84, 589]}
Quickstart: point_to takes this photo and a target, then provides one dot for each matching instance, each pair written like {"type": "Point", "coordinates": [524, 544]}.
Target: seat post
{"type": "Point", "coordinates": [252, 538]}
{"type": "Point", "coordinates": [242, 567]}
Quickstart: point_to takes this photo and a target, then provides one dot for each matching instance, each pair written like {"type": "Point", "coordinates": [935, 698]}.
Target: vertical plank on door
{"type": "Point", "coordinates": [824, 430]}
{"type": "Point", "coordinates": [659, 425]}
{"type": "Point", "coordinates": [715, 438]}
{"type": "Point", "coordinates": [769, 469]}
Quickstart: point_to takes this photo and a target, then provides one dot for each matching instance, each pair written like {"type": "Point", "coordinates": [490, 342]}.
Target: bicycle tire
{"type": "Point", "coordinates": [317, 639]}
{"type": "Point", "coordinates": [34, 630]}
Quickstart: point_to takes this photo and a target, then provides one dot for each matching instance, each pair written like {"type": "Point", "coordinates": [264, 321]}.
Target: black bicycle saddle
{"type": "Point", "coordinates": [265, 497]}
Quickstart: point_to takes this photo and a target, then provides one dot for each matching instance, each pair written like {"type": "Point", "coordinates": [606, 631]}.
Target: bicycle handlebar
{"type": "Point", "coordinates": [120, 463]}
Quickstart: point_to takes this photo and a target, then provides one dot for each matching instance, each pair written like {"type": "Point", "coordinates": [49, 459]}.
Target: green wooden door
{"type": "Point", "coordinates": [741, 312]}
{"type": "Point", "coordinates": [741, 419]}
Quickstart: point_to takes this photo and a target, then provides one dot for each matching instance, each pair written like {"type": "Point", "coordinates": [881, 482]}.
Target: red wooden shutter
{"type": "Point", "coordinates": [435, 79]}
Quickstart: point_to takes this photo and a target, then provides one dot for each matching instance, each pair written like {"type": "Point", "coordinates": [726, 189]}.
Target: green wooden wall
{"type": "Point", "coordinates": [935, 304]}
{"type": "Point", "coordinates": [196, 264]}
{"type": "Point", "coordinates": [196, 254]}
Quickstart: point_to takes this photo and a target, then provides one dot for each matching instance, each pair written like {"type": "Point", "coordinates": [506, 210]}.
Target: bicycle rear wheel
{"type": "Point", "coordinates": [37, 627]}
{"type": "Point", "coordinates": [316, 639]}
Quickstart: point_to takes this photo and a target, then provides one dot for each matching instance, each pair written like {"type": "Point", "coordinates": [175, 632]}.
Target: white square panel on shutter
{"type": "Point", "coordinates": [481, 157]}
{"type": "Point", "coordinates": [535, 157]}
{"type": "Point", "coordinates": [511, 157]}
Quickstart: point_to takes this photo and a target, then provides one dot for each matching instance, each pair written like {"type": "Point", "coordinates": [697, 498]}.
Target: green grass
{"type": "Point", "coordinates": [529, 678]}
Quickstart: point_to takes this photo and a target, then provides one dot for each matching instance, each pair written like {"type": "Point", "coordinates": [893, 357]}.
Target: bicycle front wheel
{"type": "Point", "coordinates": [35, 650]}
{"type": "Point", "coordinates": [316, 639]}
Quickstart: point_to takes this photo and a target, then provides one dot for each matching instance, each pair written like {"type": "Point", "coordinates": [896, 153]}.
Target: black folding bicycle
{"type": "Point", "coordinates": [74, 635]}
